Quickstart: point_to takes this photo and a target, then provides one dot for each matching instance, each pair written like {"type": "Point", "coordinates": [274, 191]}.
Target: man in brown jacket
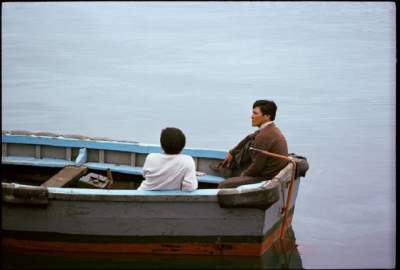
{"type": "Point", "coordinates": [246, 167]}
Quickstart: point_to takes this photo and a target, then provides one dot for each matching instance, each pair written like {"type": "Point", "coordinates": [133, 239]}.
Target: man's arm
{"type": "Point", "coordinates": [231, 153]}
{"type": "Point", "coordinates": [241, 144]}
{"type": "Point", "coordinates": [259, 160]}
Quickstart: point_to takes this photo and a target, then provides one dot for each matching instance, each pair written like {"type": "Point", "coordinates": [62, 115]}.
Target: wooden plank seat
{"type": "Point", "coordinates": [66, 176]}
{"type": "Point", "coordinates": [126, 169]}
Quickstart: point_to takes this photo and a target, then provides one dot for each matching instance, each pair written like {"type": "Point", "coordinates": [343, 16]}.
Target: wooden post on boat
{"type": "Point", "coordinates": [109, 175]}
{"type": "Point", "coordinates": [293, 177]}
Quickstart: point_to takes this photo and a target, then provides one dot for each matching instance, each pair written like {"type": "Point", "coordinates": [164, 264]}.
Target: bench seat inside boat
{"type": "Point", "coordinates": [66, 176]}
{"type": "Point", "coordinates": [59, 163]}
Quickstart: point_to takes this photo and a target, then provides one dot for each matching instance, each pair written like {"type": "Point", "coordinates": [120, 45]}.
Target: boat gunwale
{"type": "Point", "coordinates": [120, 195]}
{"type": "Point", "coordinates": [112, 145]}
{"type": "Point", "coordinates": [128, 195]}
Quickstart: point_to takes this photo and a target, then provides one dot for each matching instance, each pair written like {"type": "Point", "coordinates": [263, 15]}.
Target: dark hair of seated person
{"type": "Point", "coordinates": [172, 140]}
{"type": "Point", "coordinates": [266, 107]}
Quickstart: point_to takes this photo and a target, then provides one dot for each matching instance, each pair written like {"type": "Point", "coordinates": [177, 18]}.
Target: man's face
{"type": "Point", "coordinates": [257, 118]}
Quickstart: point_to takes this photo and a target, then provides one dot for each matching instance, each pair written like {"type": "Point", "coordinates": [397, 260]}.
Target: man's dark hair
{"type": "Point", "coordinates": [266, 107]}
{"type": "Point", "coordinates": [172, 140]}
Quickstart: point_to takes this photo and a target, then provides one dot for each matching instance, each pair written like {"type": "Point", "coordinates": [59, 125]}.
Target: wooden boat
{"type": "Point", "coordinates": [49, 204]}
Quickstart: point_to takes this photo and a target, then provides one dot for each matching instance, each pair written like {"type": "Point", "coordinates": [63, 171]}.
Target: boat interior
{"type": "Point", "coordinates": [84, 163]}
{"type": "Point", "coordinates": [72, 176]}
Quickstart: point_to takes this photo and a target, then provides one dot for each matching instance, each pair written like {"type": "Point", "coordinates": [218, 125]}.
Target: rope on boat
{"type": "Point", "coordinates": [293, 177]}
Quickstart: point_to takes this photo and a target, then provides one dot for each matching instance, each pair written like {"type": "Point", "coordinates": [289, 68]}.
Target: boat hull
{"type": "Point", "coordinates": [115, 221]}
{"type": "Point", "coordinates": [118, 221]}
{"type": "Point", "coordinates": [178, 245]}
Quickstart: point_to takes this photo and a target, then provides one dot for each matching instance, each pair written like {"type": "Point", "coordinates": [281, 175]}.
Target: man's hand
{"type": "Point", "coordinates": [227, 161]}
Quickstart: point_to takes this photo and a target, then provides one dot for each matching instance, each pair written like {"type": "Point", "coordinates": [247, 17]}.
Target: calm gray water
{"type": "Point", "coordinates": [125, 70]}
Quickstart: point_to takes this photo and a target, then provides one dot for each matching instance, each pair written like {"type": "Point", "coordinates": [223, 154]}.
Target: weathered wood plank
{"type": "Point", "coordinates": [4, 149]}
{"type": "Point", "coordinates": [162, 218]}
{"type": "Point", "coordinates": [101, 156]}
{"type": "Point", "coordinates": [65, 177]}
{"type": "Point", "coordinates": [31, 195]}
{"type": "Point", "coordinates": [133, 159]}
{"type": "Point", "coordinates": [68, 153]}
{"type": "Point", "coordinates": [38, 151]}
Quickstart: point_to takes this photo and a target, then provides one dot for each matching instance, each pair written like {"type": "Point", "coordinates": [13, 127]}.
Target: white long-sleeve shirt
{"type": "Point", "coordinates": [169, 172]}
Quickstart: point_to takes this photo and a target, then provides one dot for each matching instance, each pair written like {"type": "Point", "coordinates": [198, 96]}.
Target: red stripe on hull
{"type": "Point", "coordinates": [224, 248]}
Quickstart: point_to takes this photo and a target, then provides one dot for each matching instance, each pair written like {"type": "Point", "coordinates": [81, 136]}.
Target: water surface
{"type": "Point", "coordinates": [125, 70]}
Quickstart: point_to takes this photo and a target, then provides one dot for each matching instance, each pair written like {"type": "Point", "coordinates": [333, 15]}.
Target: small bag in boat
{"type": "Point", "coordinates": [94, 180]}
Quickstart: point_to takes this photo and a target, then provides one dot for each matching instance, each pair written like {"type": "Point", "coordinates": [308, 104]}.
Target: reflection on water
{"type": "Point", "coordinates": [283, 255]}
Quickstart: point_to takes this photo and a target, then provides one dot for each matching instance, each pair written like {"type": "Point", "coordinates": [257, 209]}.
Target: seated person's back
{"type": "Point", "coordinates": [170, 170]}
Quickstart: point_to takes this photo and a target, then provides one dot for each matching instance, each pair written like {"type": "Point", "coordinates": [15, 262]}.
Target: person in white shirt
{"type": "Point", "coordinates": [170, 170]}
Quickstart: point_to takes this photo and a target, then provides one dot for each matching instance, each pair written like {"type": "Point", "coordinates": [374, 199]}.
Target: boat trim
{"type": "Point", "coordinates": [105, 145]}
